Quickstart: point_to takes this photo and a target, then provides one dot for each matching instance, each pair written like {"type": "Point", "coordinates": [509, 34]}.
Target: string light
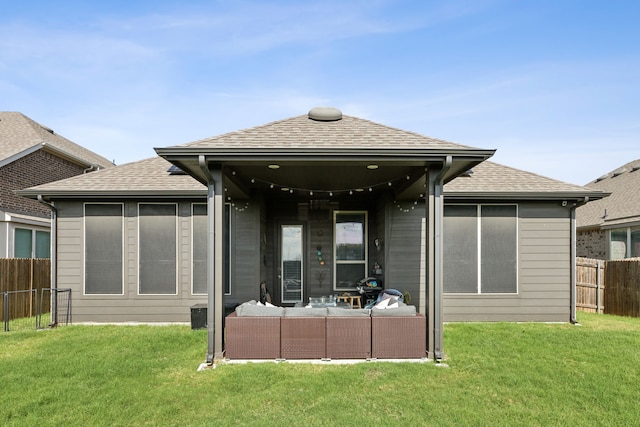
{"type": "Point", "coordinates": [328, 191]}
{"type": "Point", "coordinates": [410, 207]}
{"type": "Point", "coordinates": [406, 207]}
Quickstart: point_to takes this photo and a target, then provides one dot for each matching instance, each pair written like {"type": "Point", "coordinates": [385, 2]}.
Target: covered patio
{"type": "Point", "coordinates": [343, 164]}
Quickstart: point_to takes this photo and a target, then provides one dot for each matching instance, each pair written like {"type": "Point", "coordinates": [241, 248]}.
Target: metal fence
{"type": "Point", "coordinates": [30, 309]}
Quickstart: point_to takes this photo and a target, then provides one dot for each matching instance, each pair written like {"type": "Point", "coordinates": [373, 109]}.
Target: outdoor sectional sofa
{"type": "Point", "coordinates": [260, 332]}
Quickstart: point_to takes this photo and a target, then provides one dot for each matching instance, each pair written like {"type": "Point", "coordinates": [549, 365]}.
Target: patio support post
{"type": "Point", "coordinates": [215, 234]}
{"type": "Point", "coordinates": [434, 267]}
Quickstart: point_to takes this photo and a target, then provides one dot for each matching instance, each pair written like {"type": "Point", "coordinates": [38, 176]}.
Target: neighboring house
{"type": "Point", "coordinates": [31, 154]}
{"type": "Point", "coordinates": [312, 204]}
{"type": "Point", "coordinates": [610, 228]}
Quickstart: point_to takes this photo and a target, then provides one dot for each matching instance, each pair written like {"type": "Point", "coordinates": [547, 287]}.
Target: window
{"type": "Point", "coordinates": [618, 244]}
{"type": "Point", "coordinates": [624, 243]}
{"type": "Point", "coordinates": [157, 245]}
{"type": "Point", "coordinates": [199, 249]}
{"type": "Point", "coordinates": [350, 248]}
{"type": "Point", "coordinates": [634, 235]}
{"type": "Point", "coordinates": [480, 249]}
{"type": "Point", "coordinates": [31, 243]}
{"type": "Point", "coordinates": [103, 248]}
{"type": "Point", "coordinates": [43, 244]}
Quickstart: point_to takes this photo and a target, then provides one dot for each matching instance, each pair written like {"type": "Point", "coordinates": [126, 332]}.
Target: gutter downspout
{"type": "Point", "coordinates": [53, 248]}
{"type": "Point", "coordinates": [211, 192]}
{"type": "Point", "coordinates": [572, 257]}
{"type": "Point", "coordinates": [438, 261]}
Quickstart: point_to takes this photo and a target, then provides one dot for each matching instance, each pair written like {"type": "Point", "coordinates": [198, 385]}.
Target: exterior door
{"type": "Point", "coordinates": [292, 263]}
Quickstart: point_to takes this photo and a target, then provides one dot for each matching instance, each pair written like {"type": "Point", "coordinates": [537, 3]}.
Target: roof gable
{"type": "Point", "coordinates": [622, 206]}
{"type": "Point", "coordinates": [303, 132]}
{"type": "Point", "coordinates": [19, 136]}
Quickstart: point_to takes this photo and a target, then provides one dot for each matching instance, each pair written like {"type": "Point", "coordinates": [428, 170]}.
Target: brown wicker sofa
{"type": "Point", "coordinates": [258, 332]}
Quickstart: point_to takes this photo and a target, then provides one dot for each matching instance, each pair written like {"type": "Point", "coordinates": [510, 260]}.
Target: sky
{"type": "Point", "coordinates": [553, 85]}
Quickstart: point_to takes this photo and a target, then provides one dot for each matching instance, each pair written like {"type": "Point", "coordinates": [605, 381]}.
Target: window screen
{"type": "Point", "coordinates": [460, 247]}
{"type": "Point", "coordinates": [480, 255]}
{"type": "Point", "coordinates": [199, 249]}
{"type": "Point", "coordinates": [499, 249]}
{"type": "Point", "coordinates": [158, 248]}
{"type": "Point", "coordinates": [103, 265]}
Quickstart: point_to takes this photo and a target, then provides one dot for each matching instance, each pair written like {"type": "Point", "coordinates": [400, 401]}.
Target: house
{"type": "Point", "coordinates": [32, 154]}
{"type": "Point", "coordinates": [610, 228]}
{"type": "Point", "coordinates": [312, 204]}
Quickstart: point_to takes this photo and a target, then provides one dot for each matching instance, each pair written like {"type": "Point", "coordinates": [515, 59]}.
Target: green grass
{"type": "Point", "coordinates": [498, 374]}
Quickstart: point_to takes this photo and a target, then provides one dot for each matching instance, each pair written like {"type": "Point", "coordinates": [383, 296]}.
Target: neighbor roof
{"type": "Point", "coordinates": [19, 136]}
{"type": "Point", "coordinates": [621, 207]}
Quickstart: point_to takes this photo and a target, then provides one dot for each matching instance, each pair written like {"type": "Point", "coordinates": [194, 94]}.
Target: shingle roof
{"type": "Point", "coordinates": [143, 178]}
{"type": "Point", "coordinates": [19, 134]}
{"type": "Point", "coordinates": [150, 176]}
{"type": "Point", "coordinates": [302, 132]}
{"type": "Point", "coordinates": [490, 177]}
{"type": "Point", "coordinates": [622, 206]}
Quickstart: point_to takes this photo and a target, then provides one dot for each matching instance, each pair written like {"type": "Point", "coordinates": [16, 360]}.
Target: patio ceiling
{"type": "Point", "coordinates": [324, 173]}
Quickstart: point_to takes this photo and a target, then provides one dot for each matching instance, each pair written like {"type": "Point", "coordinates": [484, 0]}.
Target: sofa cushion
{"type": "Point", "coordinates": [254, 310]}
{"type": "Point", "coordinates": [408, 310]}
{"type": "Point", "coordinates": [305, 312]}
{"type": "Point", "coordinates": [346, 312]}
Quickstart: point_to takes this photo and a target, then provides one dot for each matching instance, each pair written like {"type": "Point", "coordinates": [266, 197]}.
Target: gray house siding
{"type": "Point", "coordinates": [543, 259]}
{"type": "Point", "coordinates": [405, 251]}
{"type": "Point", "coordinates": [543, 267]}
{"type": "Point", "coordinates": [245, 258]}
{"type": "Point", "coordinates": [132, 306]}
{"type": "Point", "coordinates": [543, 273]}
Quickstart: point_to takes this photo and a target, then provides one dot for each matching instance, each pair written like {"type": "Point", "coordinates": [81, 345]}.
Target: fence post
{"type": "Point", "coordinates": [598, 268]}
{"type": "Point", "coordinates": [5, 304]}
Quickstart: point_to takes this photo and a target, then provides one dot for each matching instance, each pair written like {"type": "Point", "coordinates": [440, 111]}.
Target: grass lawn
{"type": "Point", "coordinates": [498, 374]}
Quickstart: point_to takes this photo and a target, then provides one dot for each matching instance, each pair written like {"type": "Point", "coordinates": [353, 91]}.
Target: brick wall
{"type": "Point", "coordinates": [37, 168]}
{"type": "Point", "coordinates": [591, 244]}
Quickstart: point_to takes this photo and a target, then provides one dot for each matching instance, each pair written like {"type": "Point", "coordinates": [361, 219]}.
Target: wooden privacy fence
{"type": "Point", "coordinates": [611, 287]}
{"type": "Point", "coordinates": [622, 297]}
{"type": "Point", "coordinates": [590, 285]}
{"type": "Point", "coordinates": [23, 278]}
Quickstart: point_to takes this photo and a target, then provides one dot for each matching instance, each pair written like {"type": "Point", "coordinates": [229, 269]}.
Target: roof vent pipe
{"type": "Point", "coordinates": [325, 114]}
